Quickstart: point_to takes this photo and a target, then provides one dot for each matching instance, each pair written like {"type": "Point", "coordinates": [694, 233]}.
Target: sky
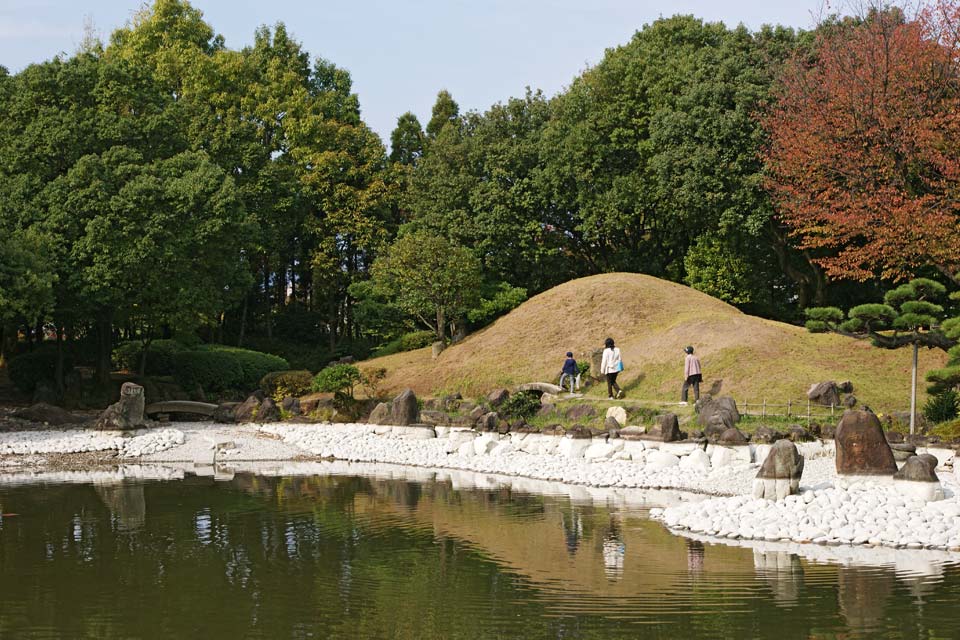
{"type": "Point", "coordinates": [400, 53]}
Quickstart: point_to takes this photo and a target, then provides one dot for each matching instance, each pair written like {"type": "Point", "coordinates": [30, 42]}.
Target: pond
{"type": "Point", "coordinates": [339, 556]}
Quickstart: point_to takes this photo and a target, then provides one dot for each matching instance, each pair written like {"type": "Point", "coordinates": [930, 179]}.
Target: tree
{"type": "Point", "coordinates": [445, 111]}
{"type": "Point", "coordinates": [406, 141]}
{"type": "Point", "coordinates": [908, 316]}
{"type": "Point", "coordinates": [430, 278]}
{"type": "Point", "coordinates": [864, 152]}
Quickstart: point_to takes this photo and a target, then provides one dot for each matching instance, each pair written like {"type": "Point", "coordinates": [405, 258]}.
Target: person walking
{"type": "Point", "coordinates": [611, 365]}
{"type": "Point", "coordinates": [692, 376]}
{"type": "Point", "coordinates": [570, 371]}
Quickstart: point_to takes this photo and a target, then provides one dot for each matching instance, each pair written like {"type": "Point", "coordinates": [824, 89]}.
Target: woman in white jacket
{"type": "Point", "coordinates": [611, 365]}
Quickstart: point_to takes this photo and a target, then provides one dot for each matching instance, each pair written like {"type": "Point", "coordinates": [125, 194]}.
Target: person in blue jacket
{"type": "Point", "coordinates": [570, 371]}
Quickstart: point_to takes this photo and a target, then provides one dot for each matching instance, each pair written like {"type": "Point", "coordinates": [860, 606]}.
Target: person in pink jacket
{"type": "Point", "coordinates": [692, 376]}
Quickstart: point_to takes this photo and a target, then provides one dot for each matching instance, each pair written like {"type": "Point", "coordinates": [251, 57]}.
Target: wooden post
{"type": "Point", "coordinates": [789, 407]}
{"type": "Point", "coordinates": [746, 408]}
{"type": "Point", "coordinates": [763, 412]}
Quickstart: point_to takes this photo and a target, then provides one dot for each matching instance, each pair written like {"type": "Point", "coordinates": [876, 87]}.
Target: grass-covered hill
{"type": "Point", "coordinates": [651, 321]}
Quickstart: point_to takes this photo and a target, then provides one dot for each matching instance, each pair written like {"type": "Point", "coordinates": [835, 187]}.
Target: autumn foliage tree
{"type": "Point", "coordinates": [864, 144]}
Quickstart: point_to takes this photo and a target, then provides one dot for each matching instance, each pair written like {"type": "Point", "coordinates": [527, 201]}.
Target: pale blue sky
{"type": "Point", "coordinates": [400, 53]}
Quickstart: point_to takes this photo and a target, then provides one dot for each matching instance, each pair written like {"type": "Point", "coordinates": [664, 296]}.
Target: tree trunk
{"type": "Point", "coordinates": [441, 326]}
{"type": "Point", "coordinates": [58, 371]}
{"type": "Point", "coordinates": [104, 349]}
{"type": "Point", "coordinates": [913, 391]}
{"type": "Point", "coordinates": [243, 320]}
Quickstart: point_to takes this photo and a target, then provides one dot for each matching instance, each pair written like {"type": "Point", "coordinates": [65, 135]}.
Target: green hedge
{"type": "Point", "coordinates": [218, 368]}
{"type": "Point", "coordinates": [160, 355]}
{"type": "Point", "coordinates": [280, 384]}
{"type": "Point", "coordinates": [29, 369]}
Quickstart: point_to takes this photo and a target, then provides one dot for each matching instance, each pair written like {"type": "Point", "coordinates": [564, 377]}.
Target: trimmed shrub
{"type": "Point", "coordinates": [280, 384]}
{"type": "Point", "coordinates": [338, 378]}
{"type": "Point", "coordinates": [160, 355]}
{"type": "Point", "coordinates": [212, 370]}
{"type": "Point", "coordinates": [254, 364]}
{"type": "Point", "coordinates": [523, 404]}
{"type": "Point", "coordinates": [942, 407]}
{"type": "Point", "coordinates": [29, 369]}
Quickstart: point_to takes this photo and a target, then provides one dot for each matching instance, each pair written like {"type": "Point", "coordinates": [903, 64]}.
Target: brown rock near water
{"type": "Point", "coordinates": [404, 409]}
{"type": "Point", "coordinates": [48, 413]}
{"type": "Point", "coordinates": [226, 412]}
{"type": "Point", "coordinates": [125, 414]}
{"type": "Point", "coordinates": [716, 411]}
{"type": "Point", "coordinates": [248, 409]}
{"type": "Point", "coordinates": [733, 436]}
{"type": "Point", "coordinates": [269, 411]}
{"type": "Point", "coordinates": [380, 414]}
{"type": "Point", "coordinates": [862, 448]}
{"type": "Point", "coordinates": [668, 428]}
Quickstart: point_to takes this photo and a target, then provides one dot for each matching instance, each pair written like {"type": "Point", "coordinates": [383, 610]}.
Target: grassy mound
{"type": "Point", "coordinates": [652, 320]}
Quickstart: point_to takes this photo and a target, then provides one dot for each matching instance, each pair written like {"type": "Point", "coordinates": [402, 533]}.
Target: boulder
{"type": "Point", "coordinates": [611, 424]}
{"type": "Point", "coordinates": [553, 430]}
{"type": "Point", "coordinates": [796, 433]}
{"type": "Point", "coordinates": [715, 429]}
{"type": "Point", "coordinates": [125, 414]}
{"type": "Point", "coordinates": [824, 393]}
{"type": "Point", "coordinates": [712, 409]}
{"type": "Point", "coordinates": [894, 436]}
{"type": "Point", "coordinates": [732, 437]}
{"type": "Point", "coordinates": [918, 478]}
{"type": "Point", "coordinates": [632, 432]}
{"type": "Point", "coordinates": [779, 475]}
{"type": "Point", "coordinates": [619, 414]}
{"type": "Point", "coordinates": [903, 452]}
{"type": "Point", "coordinates": [380, 414]}
{"type": "Point", "coordinates": [488, 422]}
{"type": "Point", "coordinates": [669, 427]}
{"type": "Point", "coordinates": [861, 446]}
{"type": "Point", "coordinates": [850, 401]}
{"type": "Point", "coordinates": [596, 359]}
{"type": "Point", "coordinates": [248, 409]}
{"type": "Point", "coordinates": [48, 413]}
{"type": "Point", "coordinates": [226, 412]}
{"type": "Point", "coordinates": [477, 412]}
{"type": "Point", "coordinates": [497, 397]}
{"type": "Point", "coordinates": [766, 435]}
{"type": "Point", "coordinates": [580, 432]}
{"type": "Point", "coordinates": [404, 409]}
{"type": "Point", "coordinates": [546, 409]}
{"type": "Point", "coordinates": [581, 411]}
{"type": "Point", "coordinates": [845, 387]}
{"type": "Point", "coordinates": [291, 405]}
{"type": "Point", "coordinates": [433, 417]}
{"type": "Point", "coordinates": [437, 348]}
{"type": "Point", "coordinates": [269, 411]}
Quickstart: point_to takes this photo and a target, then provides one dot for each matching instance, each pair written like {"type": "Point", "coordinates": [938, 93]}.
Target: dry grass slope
{"type": "Point", "coordinates": [652, 320]}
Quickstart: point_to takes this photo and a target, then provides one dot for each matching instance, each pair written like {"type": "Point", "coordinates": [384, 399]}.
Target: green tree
{"type": "Point", "coordinates": [909, 315]}
{"type": "Point", "coordinates": [430, 278]}
{"type": "Point", "coordinates": [445, 111]}
{"type": "Point", "coordinates": [406, 140]}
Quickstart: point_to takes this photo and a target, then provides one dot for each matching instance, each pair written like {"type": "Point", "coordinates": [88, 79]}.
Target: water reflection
{"type": "Point", "coordinates": [345, 556]}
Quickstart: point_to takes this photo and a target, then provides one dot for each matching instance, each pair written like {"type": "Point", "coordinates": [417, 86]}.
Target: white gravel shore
{"type": "Point", "coordinates": [865, 513]}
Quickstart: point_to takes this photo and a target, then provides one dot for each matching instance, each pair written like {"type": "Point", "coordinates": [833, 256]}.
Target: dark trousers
{"type": "Point", "coordinates": [691, 381]}
{"type": "Point", "coordinates": [612, 383]}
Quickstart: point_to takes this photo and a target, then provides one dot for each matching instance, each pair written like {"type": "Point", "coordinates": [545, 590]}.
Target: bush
{"type": "Point", "coordinates": [29, 369]}
{"type": "Point", "coordinates": [942, 407]}
{"type": "Point", "coordinates": [338, 378]}
{"type": "Point", "coordinates": [160, 355]}
{"type": "Point", "coordinates": [212, 370]}
{"type": "Point", "coordinates": [281, 384]}
{"type": "Point", "coordinates": [520, 405]}
{"type": "Point", "coordinates": [253, 364]}
{"type": "Point", "coordinates": [406, 342]}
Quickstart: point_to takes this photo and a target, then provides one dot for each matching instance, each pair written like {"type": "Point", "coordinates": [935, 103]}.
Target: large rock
{"type": "Point", "coordinates": [248, 409]}
{"type": "Point", "coordinates": [918, 478]}
{"type": "Point", "coordinates": [404, 409]}
{"type": "Point", "coordinates": [712, 410]}
{"type": "Point", "coordinates": [732, 437]}
{"type": "Point", "coordinates": [902, 451]}
{"type": "Point", "coordinates": [47, 413]}
{"type": "Point", "coordinates": [766, 435]}
{"type": "Point", "coordinates": [291, 405]}
{"type": "Point", "coordinates": [380, 414]}
{"type": "Point", "coordinates": [127, 413]}
{"type": "Point", "coordinates": [779, 475]}
{"type": "Point", "coordinates": [497, 397]}
{"type": "Point", "coordinates": [667, 428]}
{"type": "Point", "coordinates": [226, 412]}
{"type": "Point", "coordinates": [633, 432]}
{"type": "Point", "coordinates": [581, 411]}
{"type": "Point", "coordinates": [619, 414]}
{"type": "Point", "coordinates": [269, 411]}
{"type": "Point", "coordinates": [825, 393]}
{"type": "Point", "coordinates": [488, 422]}
{"type": "Point", "coordinates": [433, 417]}
{"type": "Point", "coordinates": [862, 448]}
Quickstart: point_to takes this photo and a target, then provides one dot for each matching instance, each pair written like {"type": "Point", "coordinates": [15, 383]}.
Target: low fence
{"type": "Point", "coordinates": [802, 410]}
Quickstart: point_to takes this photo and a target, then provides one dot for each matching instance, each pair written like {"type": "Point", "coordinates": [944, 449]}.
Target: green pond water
{"type": "Point", "coordinates": [355, 557]}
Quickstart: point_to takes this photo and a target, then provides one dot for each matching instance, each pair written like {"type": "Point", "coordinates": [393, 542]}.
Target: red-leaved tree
{"type": "Point", "coordinates": [864, 144]}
